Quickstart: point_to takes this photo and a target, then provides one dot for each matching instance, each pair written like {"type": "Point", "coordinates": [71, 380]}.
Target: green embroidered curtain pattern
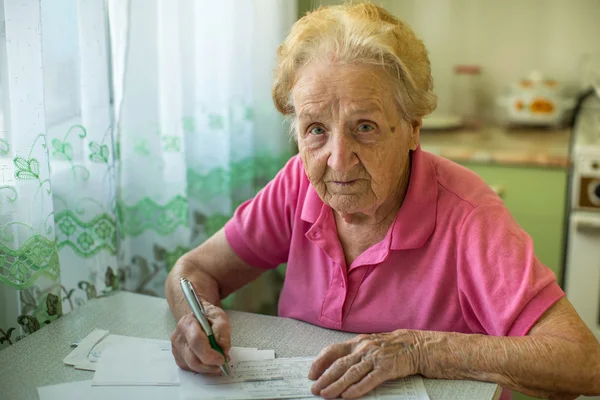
{"type": "Point", "coordinates": [129, 132]}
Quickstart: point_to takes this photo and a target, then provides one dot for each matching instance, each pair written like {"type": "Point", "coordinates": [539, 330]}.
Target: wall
{"type": "Point", "coordinates": [508, 38]}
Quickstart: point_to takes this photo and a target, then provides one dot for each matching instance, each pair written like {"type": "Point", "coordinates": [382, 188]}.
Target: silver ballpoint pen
{"type": "Point", "coordinates": [196, 305]}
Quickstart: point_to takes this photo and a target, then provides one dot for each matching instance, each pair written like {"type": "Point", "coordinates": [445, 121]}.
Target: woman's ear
{"type": "Point", "coordinates": [415, 133]}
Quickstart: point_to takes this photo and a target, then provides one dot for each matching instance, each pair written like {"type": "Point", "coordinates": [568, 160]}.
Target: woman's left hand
{"type": "Point", "coordinates": [355, 367]}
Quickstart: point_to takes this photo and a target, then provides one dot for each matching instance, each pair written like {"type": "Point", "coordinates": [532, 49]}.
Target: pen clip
{"type": "Point", "coordinates": [195, 304]}
{"type": "Point", "coordinates": [196, 297]}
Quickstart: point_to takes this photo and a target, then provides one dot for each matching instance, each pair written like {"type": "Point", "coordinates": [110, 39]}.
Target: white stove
{"type": "Point", "coordinates": [582, 269]}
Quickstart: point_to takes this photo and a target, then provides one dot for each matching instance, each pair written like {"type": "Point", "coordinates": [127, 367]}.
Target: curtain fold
{"type": "Point", "coordinates": [129, 132]}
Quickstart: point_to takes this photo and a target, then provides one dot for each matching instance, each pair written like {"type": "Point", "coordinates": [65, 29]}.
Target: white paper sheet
{"type": "Point", "coordinates": [88, 352]}
{"type": "Point", "coordinates": [84, 390]}
{"type": "Point", "coordinates": [448, 389]}
{"type": "Point", "coordinates": [281, 378]}
{"type": "Point", "coordinates": [192, 388]}
{"type": "Point", "coordinates": [264, 370]}
{"type": "Point", "coordinates": [140, 363]}
{"type": "Point", "coordinates": [134, 361]}
{"type": "Point", "coordinates": [409, 388]}
{"type": "Point", "coordinates": [238, 354]}
{"type": "Point", "coordinates": [85, 346]}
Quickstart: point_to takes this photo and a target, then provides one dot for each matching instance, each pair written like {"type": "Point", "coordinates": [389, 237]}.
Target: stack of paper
{"type": "Point", "coordinates": [128, 367]}
{"type": "Point", "coordinates": [88, 351]}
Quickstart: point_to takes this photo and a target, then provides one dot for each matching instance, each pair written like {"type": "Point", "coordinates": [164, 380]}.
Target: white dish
{"type": "Point", "coordinates": [438, 122]}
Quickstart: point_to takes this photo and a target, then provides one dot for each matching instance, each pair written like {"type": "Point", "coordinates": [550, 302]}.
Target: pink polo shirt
{"type": "Point", "coordinates": [453, 260]}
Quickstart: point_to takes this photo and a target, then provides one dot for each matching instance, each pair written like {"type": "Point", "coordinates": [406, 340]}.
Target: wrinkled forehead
{"type": "Point", "coordinates": [358, 88]}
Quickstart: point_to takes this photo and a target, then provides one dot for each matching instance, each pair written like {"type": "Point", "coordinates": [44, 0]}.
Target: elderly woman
{"type": "Point", "coordinates": [382, 238]}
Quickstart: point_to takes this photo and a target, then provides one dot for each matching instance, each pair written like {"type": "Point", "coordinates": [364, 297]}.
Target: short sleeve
{"type": "Point", "coordinates": [503, 288]}
{"type": "Point", "coordinates": [260, 230]}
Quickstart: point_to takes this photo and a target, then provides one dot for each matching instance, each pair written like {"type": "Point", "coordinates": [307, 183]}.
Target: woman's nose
{"type": "Point", "coordinates": [342, 153]}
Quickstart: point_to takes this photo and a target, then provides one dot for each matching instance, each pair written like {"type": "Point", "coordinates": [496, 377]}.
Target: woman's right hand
{"type": "Point", "coordinates": [190, 345]}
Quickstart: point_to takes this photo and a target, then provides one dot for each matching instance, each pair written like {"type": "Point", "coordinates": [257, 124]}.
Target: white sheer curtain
{"type": "Point", "coordinates": [193, 105]}
{"type": "Point", "coordinates": [57, 227]}
{"type": "Point", "coordinates": [129, 132]}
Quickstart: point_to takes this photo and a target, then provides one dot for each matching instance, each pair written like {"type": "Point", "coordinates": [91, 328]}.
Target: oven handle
{"type": "Point", "coordinates": [587, 224]}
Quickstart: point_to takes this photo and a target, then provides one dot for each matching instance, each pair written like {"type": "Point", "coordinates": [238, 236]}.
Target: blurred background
{"type": "Point", "coordinates": [131, 130]}
{"type": "Point", "coordinates": [507, 40]}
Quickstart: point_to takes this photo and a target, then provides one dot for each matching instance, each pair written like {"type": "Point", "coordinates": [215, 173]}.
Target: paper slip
{"type": "Point", "coordinates": [238, 354]}
{"type": "Point", "coordinates": [136, 361]}
{"type": "Point", "coordinates": [292, 388]}
{"type": "Point", "coordinates": [411, 388]}
{"type": "Point", "coordinates": [264, 370]}
{"type": "Point", "coordinates": [88, 352]}
{"type": "Point", "coordinates": [151, 364]}
{"type": "Point", "coordinates": [281, 378]}
{"type": "Point", "coordinates": [84, 347]}
{"type": "Point", "coordinates": [139, 364]}
{"type": "Point", "coordinates": [192, 389]}
{"type": "Point", "coordinates": [144, 363]}
{"type": "Point", "coordinates": [84, 390]}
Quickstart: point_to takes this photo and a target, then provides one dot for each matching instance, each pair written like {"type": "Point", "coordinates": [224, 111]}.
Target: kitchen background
{"type": "Point", "coordinates": [506, 39]}
{"type": "Point", "coordinates": [492, 62]}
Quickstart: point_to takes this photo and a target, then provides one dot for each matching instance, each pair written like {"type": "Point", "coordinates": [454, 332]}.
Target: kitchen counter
{"type": "Point", "coordinates": [497, 145]}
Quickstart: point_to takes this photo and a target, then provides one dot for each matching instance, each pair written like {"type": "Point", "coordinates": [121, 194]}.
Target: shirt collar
{"type": "Point", "coordinates": [312, 205]}
{"type": "Point", "coordinates": [415, 222]}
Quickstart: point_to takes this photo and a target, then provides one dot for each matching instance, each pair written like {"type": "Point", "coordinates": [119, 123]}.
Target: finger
{"type": "Point", "coordinates": [327, 357]}
{"type": "Point", "coordinates": [185, 359]}
{"type": "Point", "coordinates": [365, 385]}
{"type": "Point", "coordinates": [222, 330]}
{"type": "Point", "coordinates": [197, 341]}
{"type": "Point", "coordinates": [194, 363]}
{"type": "Point", "coordinates": [352, 375]}
{"type": "Point", "coordinates": [178, 359]}
{"type": "Point", "coordinates": [335, 372]}
{"type": "Point", "coordinates": [177, 346]}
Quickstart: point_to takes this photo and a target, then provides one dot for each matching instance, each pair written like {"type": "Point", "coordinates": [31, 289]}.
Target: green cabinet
{"type": "Point", "coordinates": [536, 198]}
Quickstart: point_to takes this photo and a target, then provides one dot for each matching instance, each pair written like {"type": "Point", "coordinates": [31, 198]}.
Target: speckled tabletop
{"type": "Point", "coordinates": [497, 145]}
{"type": "Point", "coordinates": [37, 360]}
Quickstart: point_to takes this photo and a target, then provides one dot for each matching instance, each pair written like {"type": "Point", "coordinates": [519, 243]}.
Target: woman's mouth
{"type": "Point", "coordinates": [346, 183]}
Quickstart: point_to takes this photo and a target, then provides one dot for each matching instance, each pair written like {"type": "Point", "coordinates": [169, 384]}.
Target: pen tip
{"type": "Point", "coordinates": [225, 369]}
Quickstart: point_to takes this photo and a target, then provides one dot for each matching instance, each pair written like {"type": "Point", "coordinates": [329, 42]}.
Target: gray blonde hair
{"type": "Point", "coordinates": [357, 33]}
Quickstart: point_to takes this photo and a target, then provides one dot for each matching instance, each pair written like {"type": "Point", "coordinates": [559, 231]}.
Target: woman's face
{"type": "Point", "coordinates": [352, 140]}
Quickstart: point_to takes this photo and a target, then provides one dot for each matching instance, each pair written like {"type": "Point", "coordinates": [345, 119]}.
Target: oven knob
{"type": "Point", "coordinates": [597, 191]}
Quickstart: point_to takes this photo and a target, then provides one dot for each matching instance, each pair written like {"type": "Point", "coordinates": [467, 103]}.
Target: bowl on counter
{"type": "Point", "coordinates": [536, 101]}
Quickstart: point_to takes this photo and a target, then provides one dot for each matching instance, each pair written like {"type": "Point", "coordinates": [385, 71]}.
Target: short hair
{"type": "Point", "coordinates": [357, 33]}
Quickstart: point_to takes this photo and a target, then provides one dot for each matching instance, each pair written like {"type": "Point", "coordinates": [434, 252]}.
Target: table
{"type": "Point", "coordinates": [37, 360]}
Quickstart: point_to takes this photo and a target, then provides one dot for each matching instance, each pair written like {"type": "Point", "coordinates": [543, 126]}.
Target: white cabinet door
{"type": "Point", "coordinates": [582, 284]}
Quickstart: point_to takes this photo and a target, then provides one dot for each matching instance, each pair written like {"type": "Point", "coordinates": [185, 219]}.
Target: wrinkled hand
{"type": "Point", "coordinates": [355, 367]}
{"type": "Point", "coordinates": [190, 345]}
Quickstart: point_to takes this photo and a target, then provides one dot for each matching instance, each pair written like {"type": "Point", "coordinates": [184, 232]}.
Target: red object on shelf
{"type": "Point", "coordinates": [467, 69]}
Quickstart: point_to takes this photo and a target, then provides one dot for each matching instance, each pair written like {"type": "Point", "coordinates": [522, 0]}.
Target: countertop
{"type": "Point", "coordinates": [37, 360]}
{"type": "Point", "coordinates": [497, 145]}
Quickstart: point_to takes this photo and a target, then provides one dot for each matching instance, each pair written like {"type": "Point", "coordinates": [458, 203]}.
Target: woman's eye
{"type": "Point", "coordinates": [365, 128]}
{"type": "Point", "coordinates": [317, 130]}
